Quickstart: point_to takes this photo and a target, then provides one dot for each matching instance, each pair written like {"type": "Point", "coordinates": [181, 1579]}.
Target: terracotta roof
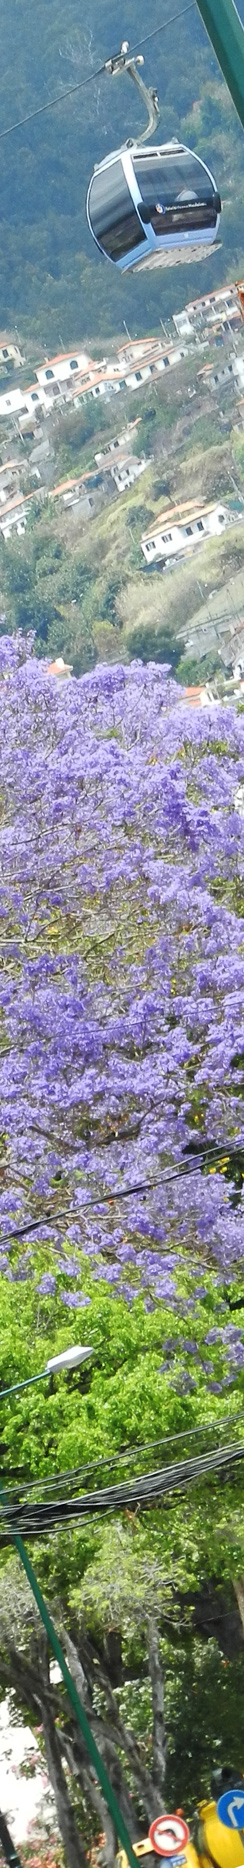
{"type": "Point", "coordinates": [79, 481]}
{"type": "Point", "coordinates": [6, 464]}
{"type": "Point", "coordinates": [189, 507]}
{"type": "Point", "coordinates": [142, 341]}
{"type": "Point", "coordinates": [220, 293]}
{"type": "Point", "coordinates": [64, 486]}
{"type": "Point", "coordinates": [18, 499]}
{"type": "Point", "coordinates": [62, 357]}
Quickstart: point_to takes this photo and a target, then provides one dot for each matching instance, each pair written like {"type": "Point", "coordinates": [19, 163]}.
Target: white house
{"type": "Point", "coordinates": [126, 471]}
{"type": "Point", "coordinates": [224, 299]}
{"type": "Point", "coordinates": [138, 350]}
{"type": "Point", "coordinates": [179, 531]}
{"type": "Point", "coordinates": [10, 478]}
{"type": "Point", "coordinates": [170, 357]}
{"type": "Point", "coordinates": [13, 517]}
{"type": "Point", "coordinates": [183, 324]}
{"type": "Point", "coordinates": [62, 368]}
{"type": "Point", "coordinates": [238, 370]}
{"type": "Point", "coordinates": [23, 402]}
{"type": "Point", "coordinates": [222, 378]}
{"type": "Point", "coordinates": [9, 352]}
{"type": "Point", "coordinates": [118, 446]}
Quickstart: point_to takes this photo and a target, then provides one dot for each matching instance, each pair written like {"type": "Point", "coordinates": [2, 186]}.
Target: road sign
{"type": "Point", "coordinates": [230, 1809]}
{"type": "Point", "coordinates": [169, 1835]}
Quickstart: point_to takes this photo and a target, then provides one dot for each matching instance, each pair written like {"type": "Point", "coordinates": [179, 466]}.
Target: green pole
{"type": "Point", "coordinates": [76, 1703]}
{"type": "Point", "coordinates": [226, 32]}
{"type": "Point", "coordinates": [28, 1384]}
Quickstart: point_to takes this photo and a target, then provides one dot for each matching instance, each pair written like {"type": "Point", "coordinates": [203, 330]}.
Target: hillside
{"type": "Point", "coordinates": [84, 587]}
{"type": "Point", "coordinates": [52, 281]}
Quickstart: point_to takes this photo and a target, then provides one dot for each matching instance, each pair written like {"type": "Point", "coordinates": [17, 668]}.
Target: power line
{"type": "Point", "coordinates": [207, 1157]}
{"type": "Point", "coordinates": [92, 76]}
{"type": "Point", "coordinates": [34, 1520]}
{"type": "Point", "coordinates": [74, 1474]}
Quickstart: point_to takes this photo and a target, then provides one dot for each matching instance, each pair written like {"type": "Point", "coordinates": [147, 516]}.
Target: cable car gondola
{"type": "Point", "coordinates": [152, 207]}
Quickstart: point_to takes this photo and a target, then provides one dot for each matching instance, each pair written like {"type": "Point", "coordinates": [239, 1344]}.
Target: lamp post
{"type": "Point", "coordinates": [69, 1358]}
{"type": "Point", "coordinates": [7, 1845]}
{"type": "Point", "coordinates": [225, 29]}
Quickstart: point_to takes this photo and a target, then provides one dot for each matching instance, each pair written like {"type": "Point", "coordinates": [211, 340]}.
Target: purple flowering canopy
{"type": "Point", "coordinates": [122, 975]}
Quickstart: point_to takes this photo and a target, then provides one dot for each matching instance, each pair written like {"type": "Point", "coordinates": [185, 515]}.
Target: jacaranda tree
{"type": "Point", "coordinates": [121, 1057]}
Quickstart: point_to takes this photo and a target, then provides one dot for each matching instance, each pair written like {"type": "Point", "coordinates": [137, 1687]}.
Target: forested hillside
{"type": "Point", "coordinates": [49, 273]}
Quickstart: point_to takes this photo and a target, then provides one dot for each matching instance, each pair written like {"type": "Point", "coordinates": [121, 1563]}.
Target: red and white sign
{"type": "Point", "coordinates": [168, 1835]}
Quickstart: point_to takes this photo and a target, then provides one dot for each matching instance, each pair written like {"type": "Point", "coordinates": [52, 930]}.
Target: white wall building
{"type": "Point", "coordinates": [183, 324]}
{"type": "Point", "coordinates": [118, 446]}
{"type": "Point", "coordinates": [125, 472]}
{"type": "Point", "coordinates": [238, 370]}
{"type": "Point", "coordinates": [180, 532]}
{"type": "Point", "coordinates": [10, 479]}
{"type": "Point", "coordinates": [23, 402]}
{"type": "Point", "coordinates": [137, 351]}
{"type": "Point", "coordinates": [137, 377]}
{"type": "Point", "coordinates": [62, 368]}
{"type": "Point", "coordinates": [223, 299]}
{"type": "Point", "coordinates": [10, 353]}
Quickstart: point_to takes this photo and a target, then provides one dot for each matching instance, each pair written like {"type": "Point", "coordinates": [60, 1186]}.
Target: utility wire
{"type": "Point", "coordinates": [74, 1475]}
{"type": "Point", "coordinates": [92, 76]}
{"type": "Point", "coordinates": [34, 1520]}
{"type": "Point", "coordinates": [221, 1152]}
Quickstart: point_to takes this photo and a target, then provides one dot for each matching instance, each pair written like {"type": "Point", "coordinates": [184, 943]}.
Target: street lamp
{"type": "Point", "coordinates": [69, 1359]}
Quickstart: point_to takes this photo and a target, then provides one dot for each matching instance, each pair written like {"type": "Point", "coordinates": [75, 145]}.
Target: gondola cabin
{"type": "Point", "coordinates": [149, 206]}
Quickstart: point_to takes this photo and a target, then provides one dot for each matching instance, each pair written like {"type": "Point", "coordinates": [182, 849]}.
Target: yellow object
{"type": "Point", "coordinates": [145, 1849]}
{"type": "Point", "coordinates": [216, 1844]}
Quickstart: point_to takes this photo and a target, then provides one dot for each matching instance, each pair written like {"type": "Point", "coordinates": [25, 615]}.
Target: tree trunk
{"type": "Point", "coordinates": [121, 1734]}
{"type": "Point", "coordinates": [239, 1593]}
{"type": "Point", "coordinates": [66, 1819]}
{"type": "Point", "coordinates": [92, 1795]}
{"type": "Point", "coordinates": [159, 1740]}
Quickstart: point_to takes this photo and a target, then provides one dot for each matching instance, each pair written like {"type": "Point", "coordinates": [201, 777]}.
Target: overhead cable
{"type": "Point", "coordinates": [91, 76]}
{"type": "Point", "coordinates": [33, 1520]}
{"type": "Point", "coordinates": [75, 1474]}
{"type": "Point", "coordinates": [207, 1157]}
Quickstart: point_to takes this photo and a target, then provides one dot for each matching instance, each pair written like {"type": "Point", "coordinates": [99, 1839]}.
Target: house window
{"type": "Point", "coordinates": [167, 536]}
{"type": "Point", "coordinates": [221, 518]}
{"type": "Point", "coordinates": [34, 396]}
{"type": "Point", "coordinates": [48, 374]}
{"type": "Point", "coordinates": [200, 527]}
{"type": "Point", "coordinates": [188, 531]}
{"type": "Point", "coordinates": [138, 376]}
{"type": "Point", "coordinates": [74, 365]}
{"type": "Point", "coordinates": [166, 363]}
{"type": "Point", "coordinates": [5, 353]}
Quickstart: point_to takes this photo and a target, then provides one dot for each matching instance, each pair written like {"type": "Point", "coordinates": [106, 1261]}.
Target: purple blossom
{"type": "Point", "coordinates": [47, 1285]}
{"type": "Point", "coordinates": [103, 1069]}
{"type": "Point", "coordinates": [74, 1299]}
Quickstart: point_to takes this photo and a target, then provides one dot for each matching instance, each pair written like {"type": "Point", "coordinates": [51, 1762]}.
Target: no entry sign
{"type": "Point", "coordinates": [168, 1835]}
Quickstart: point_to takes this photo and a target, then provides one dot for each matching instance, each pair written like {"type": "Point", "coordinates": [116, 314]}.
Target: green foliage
{"type": "Point", "coordinates": [153, 644]}
{"type": "Point", "coordinates": [190, 671]}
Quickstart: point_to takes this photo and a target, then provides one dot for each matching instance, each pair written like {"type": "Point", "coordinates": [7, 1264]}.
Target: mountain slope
{"type": "Point", "coordinates": [52, 280]}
